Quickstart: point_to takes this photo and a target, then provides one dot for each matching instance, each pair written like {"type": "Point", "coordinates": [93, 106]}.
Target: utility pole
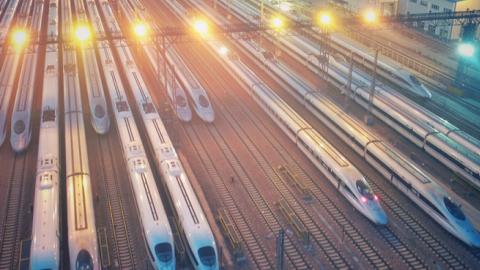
{"type": "Point", "coordinates": [369, 117]}
{"type": "Point", "coordinates": [280, 249]}
{"type": "Point", "coordinates": [348, 90]}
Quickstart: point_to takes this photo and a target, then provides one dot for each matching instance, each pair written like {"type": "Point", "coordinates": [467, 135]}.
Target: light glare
{"type": "Point", "coordinates": [370, 16]}
{"type": "Point", "coordinates": [19, 37]}
{"type": "Point", "coordinates": [466, 49]}
{"type": "Point", "coordinates": [201, 27]}
{"type": "Point", "coordinates": [82, 33]}
{"type": "Point", "coordinates": [140, 29]}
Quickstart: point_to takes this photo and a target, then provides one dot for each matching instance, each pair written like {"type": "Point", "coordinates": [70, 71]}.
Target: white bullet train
{"type": "Point", "coordinates": [197, 234]}
{"type": "Point", "coordinates": [21, 129]}
{"type": "Point", "coordinates": [407, 177]}
{"type": "Point", "coordinates": [156, 229]}
{"type": "Point", "coordinates": [198, 95]}
{"type": "Point", "coordinates": [399, 76]}
{"type": "Point", "coordinates": [45, 247]}
{"type": "Point", "coordinates": [96, 97]}
{"type": "Point", "coordinates": [175, 92]}
{"type": "Point", "coordinates": [393, 111]}
{"type": "Point", "coordinates": [7, 19]}
{"type": "Point", "coordinates": [341, 173]}
{"type": "Point", "coordinates": [82, 233]}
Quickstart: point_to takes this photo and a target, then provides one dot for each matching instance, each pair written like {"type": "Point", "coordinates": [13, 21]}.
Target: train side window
{"type": "Point", "coordinates": [122, 106]}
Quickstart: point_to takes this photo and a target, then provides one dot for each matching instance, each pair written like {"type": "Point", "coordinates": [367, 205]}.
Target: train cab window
{"type": "Point", "coordinates": [48, 115]}
{"type": "Point", "coordinates": [203, 101]}
{"type": "Point", "coordinates": [207, 256]}
{"type": "Point", "coordinates": [453, 208]}
{"type": "Point", "coordinates": [364, 189]}
{"type": "Point", "coordinates": [148, 107]}
{"type": "Point", "coordinates": [415, 80]}
{"type": "Point", "coordinates": [122, 106]}
{"type": "Point", "coordinates": [164, 252]}
{"type": "Point", "coordinates": [84, 261]}
{"type": "Point", "coordinates": [53, 5]}
{"type": "Point", "coordinates": [180, 101]}
{"type": "Point", "coordinates": [99, 111]}
{"type": "Point", "coordinates": [19, 127]}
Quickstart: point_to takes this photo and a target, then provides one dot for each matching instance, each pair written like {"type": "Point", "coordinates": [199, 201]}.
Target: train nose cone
{"type": "Point", "coordinates": [101, 123]}
{"type": "Point", "coordinates": [19, 139]}
{"type": "Point", "coordinates": [380, 217]}
{"type": "Point", "coordinates": [475, 240]}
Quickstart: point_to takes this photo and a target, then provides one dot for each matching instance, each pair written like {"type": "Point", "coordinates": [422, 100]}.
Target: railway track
{"type": "Point", "coordinates": [358, 239]}
{"type": "Point", "coordinates": [294, 256]}
{"type": "Point", "coordinates": [251, 240]}
{"type": "Point", "coordinates": [123, 246]}
{"type": "Point", "coordinates": [12, 221]}
{"type": "Point", "coordinates": [433, 243]}
{"type": "Point", "coordinates": [397, 245]}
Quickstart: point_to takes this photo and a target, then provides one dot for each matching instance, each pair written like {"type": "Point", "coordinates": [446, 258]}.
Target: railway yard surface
{"type": "Point", "coordinates": [267, 178]}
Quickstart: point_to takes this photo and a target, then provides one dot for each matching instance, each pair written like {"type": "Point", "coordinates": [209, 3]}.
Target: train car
{"type": "Point", "coordinates": [202, 249]}
{"type": "Point", "coordinates": [407, 177]}
{"type": "Point", "coordinates": [341, 173]}
{"type": "Point", "coordinates": [82, 233]}
{"type": "Point", "coordinates": [96, 96]}
{"type": "Point", "coordinates": [196, 233]}
{"type": "Point", "coordinates": [175, 92]}
{"type": "Point", "coordinates": [156, 229]}
{"type": "Point", "coordinates": [45, 247]}
{"type": "Point", "coordinates": [21, 129]}
{"type": "Point", "coordinates": [198, 95]}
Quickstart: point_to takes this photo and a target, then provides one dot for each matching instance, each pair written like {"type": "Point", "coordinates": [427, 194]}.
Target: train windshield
{"type": "Point", "coordinates": [19, 127]}
{"type": "Point", "coordinates": [203, 101]}
{"type": "Point", "coordinates": [454, 209]}
{"type": "Point", "coordinates": [415, 80]}
{"type": "Point", "coordinates": [181, 101]}
{"type": "Point", "coordinates": [364, 189]}
{"type": "Point", "coordinates": [207, 256]}
{"type": "Point", "coordinates": [99, 111]}
{"type": "Point", "coordinates": [164, 252]}
{"type": "Point", "coordinates": [84, 261]}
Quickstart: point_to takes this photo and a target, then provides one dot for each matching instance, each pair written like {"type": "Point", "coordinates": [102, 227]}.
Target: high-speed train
{"type": "Point", "coordinates": [198, 95]}
{"type": "Point", "coordinates": [390, 108]}
{"type": "Point", "coordinates": [400, 76]}
{"type": "Point", "coordinates": [176, 93]}
{"type": "Point", "coordinates": [21, 129]}
{"type": "Point", "coordinates": [45, 247]}
{"type": "Point", "coordinates": [96, 97]}
{"type": "Point", "coordinates": [82, 232]}
{"type": "Point", "coordinates": [197, 234]}
{"type": "Point", "coordinates": [153, 219]}
{"type": "Point", "coordinates": [407, 177]}
{"type": "Point", "coordinates": [341, 173]}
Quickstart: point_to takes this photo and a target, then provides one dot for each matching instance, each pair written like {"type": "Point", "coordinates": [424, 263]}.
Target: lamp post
{"type": "Point", "coordinates": [370, 17]}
